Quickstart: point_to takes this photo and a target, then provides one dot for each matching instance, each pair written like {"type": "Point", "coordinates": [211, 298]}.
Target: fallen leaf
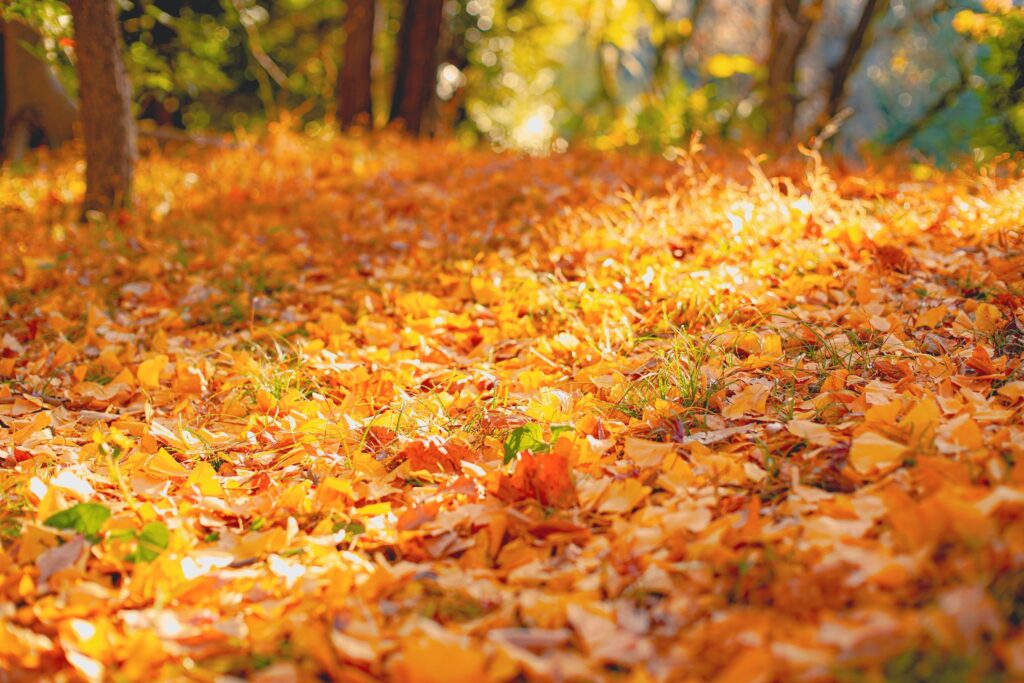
{"type": "Point", "coordinates": [751, 399]}
{"type": "Point", "coordinates": [812, 432]}
{"type": "Point", "coordinates": [932, 317]}
{"type": "Point", "coordinates": [871, 451]}
{"type": "Point", "coordinates": [60, 558]}
{"type": "Point", "coordinates": [987, 318]}
{"type": "Point", "coordinates": [149, 371]}
{"type": "Point", "coordinates": [623, 496]}
{"type": "Point", "coordinates": [543, 477]}
{"type": "Point", "coordinates": [205, 478]}
{"type": "Point", "coordinates": [646, 453]}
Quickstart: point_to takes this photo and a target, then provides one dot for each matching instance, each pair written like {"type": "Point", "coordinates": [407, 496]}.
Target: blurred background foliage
{"type": "Point", "coordinates": [943, 77]}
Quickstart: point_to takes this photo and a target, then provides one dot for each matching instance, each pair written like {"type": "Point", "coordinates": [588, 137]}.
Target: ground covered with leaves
{"type": "Point", "coordinates": [371, 409]}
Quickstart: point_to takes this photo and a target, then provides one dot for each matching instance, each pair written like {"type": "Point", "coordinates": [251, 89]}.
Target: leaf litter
{"type": "Point", "coordinates": [377, 409]}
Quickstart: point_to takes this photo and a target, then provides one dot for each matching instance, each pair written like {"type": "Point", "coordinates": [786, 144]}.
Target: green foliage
{"type": "Point", "coordinates": [85, 518]}
{"type": "Point", "coordinates": [530, 437]}
{"type": "Point", "coordinates": [999, 30]}
{"type": "Point", "coordinates": [152, 540]}
{"type": "Point", "coordinates": [32, 12]}
{"type": "Point", "coordinates": [605, 71]}
{"type": "Point", "coordinates": [930, 666]}
{"type": "Point", "coordinates": [536, 74]}
{"type": "Point", "coordinates": [193, 64]}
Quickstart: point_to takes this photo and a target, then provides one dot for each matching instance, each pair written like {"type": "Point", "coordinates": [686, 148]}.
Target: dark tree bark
{"type": "Point", "coordinates": [1010, 99]}
{"type": "Point", "coordinates": [855, 45]}
{"type": "Point", "coordinates": [33, 106]}
{"type": "Point", "coordinates": [105, 95]}
{"type": "Point", "coordinates": [789, 26]}
{"type": "Point", "coordinates": [416, 78]}
{"type": "Point", "coordinates": [354, 80]}
{"type": "Point", "coordinates": [3, 90]}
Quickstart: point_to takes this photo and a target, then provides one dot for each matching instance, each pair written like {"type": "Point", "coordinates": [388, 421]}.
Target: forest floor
{"type": "Point", "coordinates": [374, 409]}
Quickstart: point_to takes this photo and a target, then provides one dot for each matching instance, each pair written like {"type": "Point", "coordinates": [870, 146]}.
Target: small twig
{"type": "Point", "coordinates": [830, 129]}
{"type": "Point", "coordinates": [258, 53]}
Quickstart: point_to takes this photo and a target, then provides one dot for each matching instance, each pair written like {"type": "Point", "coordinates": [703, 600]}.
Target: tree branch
{"type": "Point", "coordinates": [943, 102]}
{"type": "Point", "coordinates": [257, 51]}
{"type": "Point", "coordinates": [847, 64]}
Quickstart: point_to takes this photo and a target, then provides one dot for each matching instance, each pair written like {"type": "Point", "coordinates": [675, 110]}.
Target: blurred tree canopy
{"type": "Point", "coordinates": [945, 77]}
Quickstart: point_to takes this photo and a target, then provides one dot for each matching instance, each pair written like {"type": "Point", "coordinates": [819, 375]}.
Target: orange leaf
{"type": "Point", "coordinates": [543, 477]}
{"type": "Point", "coordinates": [871, 451]}
{"type": "Point", "coordinates": [433, 455]}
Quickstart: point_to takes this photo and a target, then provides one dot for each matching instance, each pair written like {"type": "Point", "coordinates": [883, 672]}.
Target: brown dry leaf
{"type": "Point", "coordinates": [60, 558]}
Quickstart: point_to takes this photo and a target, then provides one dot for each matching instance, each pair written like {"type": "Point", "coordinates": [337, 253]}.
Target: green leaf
{"type": "Point", "coordinates": [559, 429]}
{"type": "Point", "coordinates": [85, 518]}
{"type": "Point", "coordinates": [153, 539]}
{"type": "Point", "coordinates": [121, 535]}
{"type": "Point", "coordinates": [155, 534]}
{"type": "Point", "coordinates": [527, 437]}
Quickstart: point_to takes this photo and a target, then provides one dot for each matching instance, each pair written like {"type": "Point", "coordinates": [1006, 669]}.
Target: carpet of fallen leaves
{"type": "Point", "coordinates": [372, 409]}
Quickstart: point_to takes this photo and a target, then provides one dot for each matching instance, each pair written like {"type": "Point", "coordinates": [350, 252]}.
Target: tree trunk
{"type": "Point", "coordinates": [416, 79]}
{"type": "Point", "coordinates": [33, 105]}
{"type": "Point", "coordinates": [3, 90]}
{"type": "Point", "coordinates": [790, 24]}
{"type": "Point", "coordinates": [840, 73]}
{"type": "Point", "coordinates": [354, 80]}
{"type": "Point", "coordinates": [105, 95]}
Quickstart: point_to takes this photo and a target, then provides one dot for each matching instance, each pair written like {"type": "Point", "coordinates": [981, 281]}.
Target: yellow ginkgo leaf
{"type": "Point", "coordinates": [162, 465]}
{"type": "Point", "coordinates": [812, 432]}
{"type": "Point", "coordinates": [1012, 390]}
{"type": "Point", "coordinates": [149, 371]}
{"type": "Point", "coordinates": [334, 492]}
{"type": "Point", "coordinates": [987, 318]}
{"type": "Point", "coordinates": [647, 453]}
{"type": "Point", "coordinates": [205, 477]}
{"type": "Point", "coordinates": [439, 657]}
{"type": "Point", "coordinates": [752, 399]}
{"type": "Point", "coordinates": [960, 434]}
{"type": "Point", "coordinates": [932, 317]}
{"type": "Point", "coordinates": [920, 423]}
{"type": "Point", "coordinates": [623, 496]}
{"type": "Point", "coordinates": [871, 451]}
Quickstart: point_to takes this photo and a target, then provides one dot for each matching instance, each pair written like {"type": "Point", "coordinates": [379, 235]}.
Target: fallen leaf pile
{"type": "Point", "coordinates": [372, 409]}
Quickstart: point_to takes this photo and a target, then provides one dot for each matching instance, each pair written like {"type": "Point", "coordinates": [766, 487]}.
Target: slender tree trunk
{"type": "Point", "coordinates": [355, 103]}
{"type": "Point", "coordinates": [3, 89]}
{"type": "Point", "coordinates": [32, 101]}
{"type": "Point", "coordinates": [105, 95]}
{"type": "Point", "coordinates": [790, 24]}
{"type": "Point", "coordinates": [847, 64]}
{"type": "Point", "coordinates": [416, 79]}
